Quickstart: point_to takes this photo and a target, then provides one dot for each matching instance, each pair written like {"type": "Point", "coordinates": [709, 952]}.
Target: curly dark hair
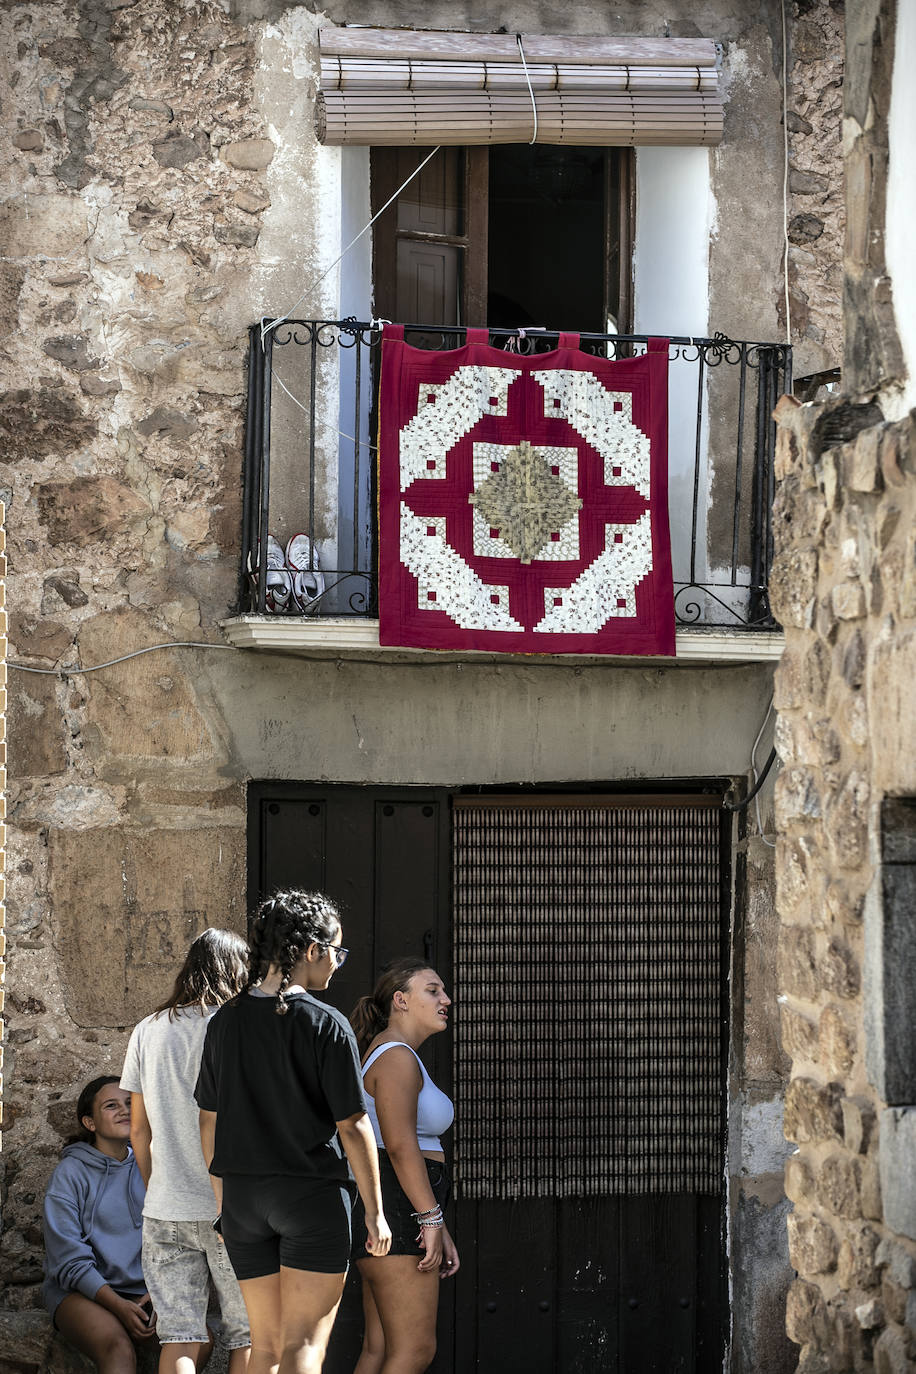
{"type": "Point", "coordinates": [281, 931]}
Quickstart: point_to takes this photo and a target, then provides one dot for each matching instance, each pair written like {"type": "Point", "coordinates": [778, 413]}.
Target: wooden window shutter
{"type": "Point", "coordinates": [400, 87]}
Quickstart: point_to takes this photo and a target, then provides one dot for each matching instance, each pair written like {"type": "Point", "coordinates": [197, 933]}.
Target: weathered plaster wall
{"type": "Point", "coordinates": [132, 194]}
{"type": "Point", "coordinates": [162, 188]}
{"type": "Point", "coordinates": [901, 197]}
{"type": "Point", "coordinates": [817, 217]}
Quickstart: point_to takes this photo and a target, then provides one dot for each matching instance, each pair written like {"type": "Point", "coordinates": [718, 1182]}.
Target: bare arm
{"type": "Point", "coordinates": [359, 1146]}
{"type": "Point", "coordinates": [208, 1145]}
{"type": "Point", "coordinates": [141, 1136]}
{"type": "Point", "coordinates": [137, 1320]}
{"type": "Point", "coordinates": [396, 1083]}
{"type": "Point", "coordinates": [395, 1086]}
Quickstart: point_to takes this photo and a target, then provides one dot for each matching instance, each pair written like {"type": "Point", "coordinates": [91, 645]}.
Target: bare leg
{"type": "Point", "coordinates": [238, 1360]}
{"type": "Point", "coordinates": [204, 1351]}
{"type": "Point", "coordinates": [97, 1333]}
{"type": "Point", "coordinates": [184, 1357]}
{"type": "Point", "coordinates": [262, 1302]}
{"type": "Point", "coordinates": [310, 1302]}
{"type": "Point", "coordinates": [407, 1302]}
{"type": "Point", "coordinates": [291, 1315]}
{"type": "Point", "coordinates": [373, 1352]}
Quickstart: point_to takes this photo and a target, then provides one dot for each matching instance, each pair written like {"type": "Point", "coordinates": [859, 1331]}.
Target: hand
{"type": "Point", "coordinates": [378, 1241]}
{"type": "Point", "coordinates": [137, 1318]}
{"type": "Point", "coordinates": [430, 1239]}
{"type": "Point", "coordinates": [450, 1261]}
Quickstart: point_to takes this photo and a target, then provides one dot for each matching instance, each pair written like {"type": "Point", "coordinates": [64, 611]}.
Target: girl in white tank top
{"type": "Point", "coordinates": [409, 1115]}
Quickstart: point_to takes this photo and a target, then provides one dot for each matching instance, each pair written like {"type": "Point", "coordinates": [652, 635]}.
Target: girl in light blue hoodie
{"type": "Point", "coordinates": [94, 1285]}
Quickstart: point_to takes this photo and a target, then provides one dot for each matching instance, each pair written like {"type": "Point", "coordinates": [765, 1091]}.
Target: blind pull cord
{"type": "Point", "coordinates": [534, 108]}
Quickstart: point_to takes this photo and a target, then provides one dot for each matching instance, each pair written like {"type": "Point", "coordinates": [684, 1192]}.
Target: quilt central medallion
{"type": "Point", "coordinates": [524, 501]}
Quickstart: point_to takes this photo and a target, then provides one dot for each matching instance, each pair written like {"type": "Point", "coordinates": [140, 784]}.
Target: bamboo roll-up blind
{"type": "Point", "coordinates": [401, 88]}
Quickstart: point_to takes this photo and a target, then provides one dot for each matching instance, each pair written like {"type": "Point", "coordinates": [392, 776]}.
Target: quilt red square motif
{"type": "Point", "coordinates": [523, 502]}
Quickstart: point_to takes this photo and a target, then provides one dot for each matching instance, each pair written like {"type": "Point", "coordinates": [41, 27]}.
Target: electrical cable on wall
{"type": "Point", "coordinates": [110, 663]}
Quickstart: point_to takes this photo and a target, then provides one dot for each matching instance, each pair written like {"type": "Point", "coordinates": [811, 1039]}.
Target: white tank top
{"type": "Point", "coordinates": [435, 1112]}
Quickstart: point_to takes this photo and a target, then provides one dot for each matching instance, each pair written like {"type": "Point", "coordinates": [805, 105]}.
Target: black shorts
{"type": "Point", "coordinates": [277, 1219]}
{"type": "Point", "coordinates": [399, 1209]}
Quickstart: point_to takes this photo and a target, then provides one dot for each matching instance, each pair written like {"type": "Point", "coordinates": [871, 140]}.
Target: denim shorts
{"type": "Point", "coordinates": [399, 1209]}
{"type": "Point", "coordinates": [180, 1258]}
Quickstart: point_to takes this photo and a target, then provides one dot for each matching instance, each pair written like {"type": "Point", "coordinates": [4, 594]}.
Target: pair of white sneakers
{"type": "Point", "coordinates": [294, 583]}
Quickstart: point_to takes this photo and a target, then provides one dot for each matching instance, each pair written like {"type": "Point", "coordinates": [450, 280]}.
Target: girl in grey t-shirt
{"type": "Point", "coordinates": [182, 1254]}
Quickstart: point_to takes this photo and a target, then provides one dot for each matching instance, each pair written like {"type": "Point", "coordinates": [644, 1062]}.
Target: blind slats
{"type": "Point", "coordinates": [401, 88]}
{"type": "Point", "coordinates": [362, 74]}
{"type": "Point", "coordinates": [426, 120]}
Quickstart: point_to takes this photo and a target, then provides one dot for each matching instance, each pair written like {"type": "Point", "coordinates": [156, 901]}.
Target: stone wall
{"type": "Point", "coordinates": [816, 206]}
{"type": "Point", "coordinates": [3, 656]}
{"type": "Point", "coordinates": [133, 196]}
{"type": "Point", "coordinates": [844, 586]}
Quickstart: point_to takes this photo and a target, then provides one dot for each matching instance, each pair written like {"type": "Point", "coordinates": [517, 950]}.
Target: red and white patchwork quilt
{"type": "Point", "coordinates": [523, 503]}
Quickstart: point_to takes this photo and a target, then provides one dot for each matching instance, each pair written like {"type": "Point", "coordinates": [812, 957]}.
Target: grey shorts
{"type": "Point", "coordinates": [180, 1259]}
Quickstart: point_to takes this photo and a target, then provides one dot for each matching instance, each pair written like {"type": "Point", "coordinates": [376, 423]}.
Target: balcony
{"type": "Point", "coordinates": [310, 469]}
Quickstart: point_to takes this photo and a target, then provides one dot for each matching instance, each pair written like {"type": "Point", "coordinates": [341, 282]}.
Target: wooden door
{"type": "Point", "coordinates": [383, 855]}
{"type": "Point", "coordinates": [584, 941]}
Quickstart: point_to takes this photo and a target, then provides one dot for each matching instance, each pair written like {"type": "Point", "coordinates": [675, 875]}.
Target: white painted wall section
{"type": "Point", "coordinates": [901, 195]}
{"type": "Point", "coordinates": [355, 300]}
{"type": "Point", "coordinates": [674, 216]}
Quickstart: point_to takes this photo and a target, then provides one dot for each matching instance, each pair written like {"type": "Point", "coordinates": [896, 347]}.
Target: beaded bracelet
{"type": "Point", "coordinates": [431, 1218]}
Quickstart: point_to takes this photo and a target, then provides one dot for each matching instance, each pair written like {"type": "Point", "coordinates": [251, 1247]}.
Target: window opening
{"type": "Point", "coordinates": [547, 259]}
{"type": "Point", "coordinates": [511, 235]}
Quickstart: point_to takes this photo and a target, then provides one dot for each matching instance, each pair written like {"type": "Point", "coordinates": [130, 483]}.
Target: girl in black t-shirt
{"type": "Point", "coordinates": [282, 1113]}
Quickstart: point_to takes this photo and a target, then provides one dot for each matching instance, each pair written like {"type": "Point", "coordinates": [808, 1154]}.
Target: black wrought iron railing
{"type": "Point", "coordinates": [309, 475]}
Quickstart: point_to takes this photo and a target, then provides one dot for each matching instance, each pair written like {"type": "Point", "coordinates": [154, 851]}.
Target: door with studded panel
{"type": "Point", "coordinates": [584, 939]}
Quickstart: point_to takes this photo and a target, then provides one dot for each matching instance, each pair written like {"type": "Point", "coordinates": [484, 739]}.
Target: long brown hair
{"type": "Point", "coordinates": [371, 1014]}
{"type": "Point", "coordinates": [214, 970]}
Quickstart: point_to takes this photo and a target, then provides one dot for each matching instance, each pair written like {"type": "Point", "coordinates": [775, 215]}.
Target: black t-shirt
{"type": "Point", "coordinates": [278, 1085]}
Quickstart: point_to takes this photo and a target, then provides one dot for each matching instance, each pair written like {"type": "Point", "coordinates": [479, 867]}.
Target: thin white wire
{"type": "Point", "coordinates": [534, 107]}
{"type": "Point", "coordinates": [363, 443]}
{"type": "Point", "coordinates": [150, 648]}
{"type": "Point", "coordinates": [266, 328]}
{"type": "Point", "coordinates": [785, 172]}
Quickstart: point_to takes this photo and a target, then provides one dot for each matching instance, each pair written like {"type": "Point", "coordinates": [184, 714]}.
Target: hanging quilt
{"type": "Point", "coordinates": [523, 503]}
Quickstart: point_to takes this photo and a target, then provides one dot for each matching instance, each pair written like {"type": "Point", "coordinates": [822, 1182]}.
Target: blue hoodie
{"type": "Point", "coordinates": [92, 1223]}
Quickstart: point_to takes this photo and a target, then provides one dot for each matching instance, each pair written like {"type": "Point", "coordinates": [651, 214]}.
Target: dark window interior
{"type": "Point", "coordinates": [547, 257]}
{"type": "Point", "coordinates": [508, 235]}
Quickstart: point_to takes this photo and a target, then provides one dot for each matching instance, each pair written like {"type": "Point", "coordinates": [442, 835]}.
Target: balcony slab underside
{"type": "Point", "coordinates": [357, 637]}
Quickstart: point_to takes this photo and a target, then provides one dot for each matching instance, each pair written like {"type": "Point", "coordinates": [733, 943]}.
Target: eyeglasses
{"type": "Point", "coordinates": [340, 954]}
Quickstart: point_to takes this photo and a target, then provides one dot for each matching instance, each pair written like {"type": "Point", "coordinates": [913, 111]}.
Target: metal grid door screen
{"type": "Point", "coordinates": [588, 961]}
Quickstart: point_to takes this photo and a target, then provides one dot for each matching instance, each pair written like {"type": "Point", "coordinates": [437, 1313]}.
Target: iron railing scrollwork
{"type": "Point", "coordinates": [310, 460]}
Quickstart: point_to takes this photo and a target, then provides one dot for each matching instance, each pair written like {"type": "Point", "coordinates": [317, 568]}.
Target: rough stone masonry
{"type": "Point", "coordinates": [844, 588]}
